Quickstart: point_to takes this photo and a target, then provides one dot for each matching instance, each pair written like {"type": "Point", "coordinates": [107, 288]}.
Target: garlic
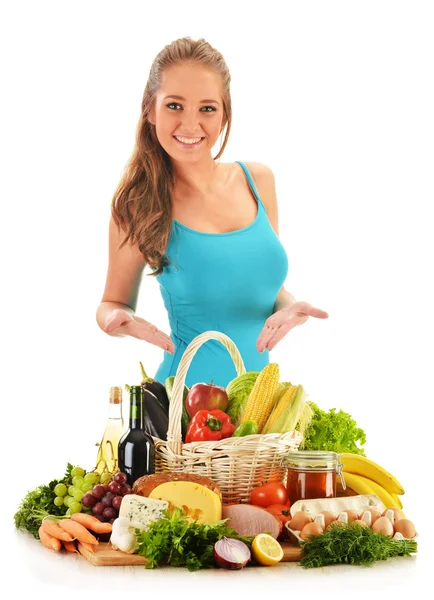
{"type": "Point", "coordinates": [123, 536]}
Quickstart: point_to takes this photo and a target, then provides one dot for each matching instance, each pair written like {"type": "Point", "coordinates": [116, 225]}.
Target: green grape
{"type": "Point", "coordinates": [86, 487]}
{"type": "Point", "coordinates": [88, 511]}
{"type": "Point", "coordinates": [91, 477]}
{"type": "Point", "coordinates": [67, 500]}
{"type": "Point", "coordinates": [58, 501]}
{"type": "Point", "coordinates": [71, 490]}
{"type": "Point", "coordinates": [78, 495]}
{"type": "Point", "coordinates": [68, 513]}
{"type": "Point", "coordinates": [60, 489]}
{"type": "Point", "coordinates": [77, 482]}
{"type": "Point", "coordinates": [75, 507]}
{"type": "Point", "coordinates": [105, 478]}
{"type": "Point", "coordinates": [78, 471]}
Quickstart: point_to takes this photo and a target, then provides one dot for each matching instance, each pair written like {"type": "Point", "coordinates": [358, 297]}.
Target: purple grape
{"type": "Point", "coordinates": [116, 502]}
{"type": "Point", "coordinates": [106, 487]}
{"type": "Point", "coordinates": [125, 489]}
{"type": "Point", "coordinates": [107, 499]}
{"type": "Point", "coordinates": [112, 521]}
{"type": "Point", "coordinates": [88, 500]}
{"type": "Point", "coordinates": [115, 487]}
{"type": "Point", "coordinates": [98, 491]}
{"type": "Point", "coordinates": [98, 508]}
{"type": "Point", "coordinates": [120, 478]}
{"type": "Point", "coordinates": [109, 513]}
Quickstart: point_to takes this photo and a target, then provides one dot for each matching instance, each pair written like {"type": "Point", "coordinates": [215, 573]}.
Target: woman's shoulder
{"type": "Point", "coordinates": [263, 177]}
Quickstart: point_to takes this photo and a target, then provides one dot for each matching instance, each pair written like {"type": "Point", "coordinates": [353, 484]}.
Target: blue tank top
{"type": "Point", "coordinates": [225, 282]}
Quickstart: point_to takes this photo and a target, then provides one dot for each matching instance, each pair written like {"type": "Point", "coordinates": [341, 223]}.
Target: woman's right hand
{"type": "Point", "coordinates": [124, 323]}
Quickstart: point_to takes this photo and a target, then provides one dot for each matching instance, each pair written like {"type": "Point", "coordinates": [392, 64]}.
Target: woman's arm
{"type": "Point", "coordinates": [124, 274]}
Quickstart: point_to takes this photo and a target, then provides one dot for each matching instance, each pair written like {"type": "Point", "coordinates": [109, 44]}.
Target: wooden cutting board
{"type": "Point", "coordinates": [106, 555]}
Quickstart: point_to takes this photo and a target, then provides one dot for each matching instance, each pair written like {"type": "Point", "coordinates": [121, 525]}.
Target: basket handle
{"type": "Point", "coordinates": [174, 432]}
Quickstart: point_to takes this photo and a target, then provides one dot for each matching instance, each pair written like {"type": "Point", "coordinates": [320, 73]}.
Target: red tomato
{"type": "Point", "coordinates": [281, 511]}
{"type": "Point", "coordinates": [272, 492]}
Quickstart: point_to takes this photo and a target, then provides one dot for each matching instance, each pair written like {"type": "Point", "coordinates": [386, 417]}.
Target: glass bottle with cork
{"type": "Point", "coordinates": [136, 447]}
{"type": "Point", "coordinates": [107, 457]}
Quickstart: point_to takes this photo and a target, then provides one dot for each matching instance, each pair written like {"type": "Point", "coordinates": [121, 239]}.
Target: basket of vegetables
{"type": "Point", "coordinates": [221, 445]}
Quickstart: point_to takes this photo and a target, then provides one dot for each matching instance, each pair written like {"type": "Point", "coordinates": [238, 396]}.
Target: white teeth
{"type": "Point", "coordinates": [188, 140]}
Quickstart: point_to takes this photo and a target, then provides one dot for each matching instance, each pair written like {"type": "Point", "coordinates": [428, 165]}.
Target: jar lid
{"type": "Point", "coordinates": [311, 459]}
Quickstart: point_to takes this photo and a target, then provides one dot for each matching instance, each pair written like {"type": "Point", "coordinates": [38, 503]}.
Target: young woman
{"type": "Point", "coordinates": [207, 230]}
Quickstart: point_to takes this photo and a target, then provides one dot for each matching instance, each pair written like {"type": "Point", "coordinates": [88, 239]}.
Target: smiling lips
{"type": "Point", "coordinates": [188, 142]}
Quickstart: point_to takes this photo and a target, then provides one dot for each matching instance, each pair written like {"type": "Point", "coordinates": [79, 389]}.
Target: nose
{"type": "Point", "coordinates": [191, 123]}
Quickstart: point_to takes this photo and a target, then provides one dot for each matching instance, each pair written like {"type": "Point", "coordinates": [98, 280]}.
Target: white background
{"type": "Point", "coordinates": [337, 98]}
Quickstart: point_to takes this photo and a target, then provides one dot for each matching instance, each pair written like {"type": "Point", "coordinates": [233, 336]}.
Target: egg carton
{"type": "Point", "coordinates": [314, 506]}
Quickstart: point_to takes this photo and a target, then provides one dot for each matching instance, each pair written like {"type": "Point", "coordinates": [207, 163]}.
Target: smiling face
{"type": "Point", "coordinates": [195, 111]}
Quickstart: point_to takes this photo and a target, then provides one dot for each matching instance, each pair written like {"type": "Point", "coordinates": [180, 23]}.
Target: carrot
{"type": "Point", "coordinates": [48, 540]}
{"type": "Point", "coordinates": [91, 522]}
{"type": "Point", "coordinates": [78, 531]}
{"type": "Point", "coordinates": [88, 547]}
{"type": "Point", "coordinates": [53, 529]}
{"type": "Point", "coordinates": [70, 546]}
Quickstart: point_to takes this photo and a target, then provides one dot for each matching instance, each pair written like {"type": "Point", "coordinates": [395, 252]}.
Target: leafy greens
{"type": "Point", "coordinates": [38, 504]}
{"type": "Point", "coordinates": [335, 431]}
{"type": "Point", "coordinates": [174, 540]}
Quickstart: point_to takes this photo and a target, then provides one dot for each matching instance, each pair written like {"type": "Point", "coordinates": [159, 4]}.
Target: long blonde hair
{"type": "Point", "coordinates": [142, 202]}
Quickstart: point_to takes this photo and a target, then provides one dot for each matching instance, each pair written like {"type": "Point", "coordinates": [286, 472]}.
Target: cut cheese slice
{"type": "Point", "coordinates": [198, 502]}
{"type": "Point", "coordinates": [141, 511]}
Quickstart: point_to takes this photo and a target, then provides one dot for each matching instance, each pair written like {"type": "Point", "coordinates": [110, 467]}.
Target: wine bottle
{"type": "Point", "coordinates": [136, 447]}
{"type": "Point", "coordinates": [107, 457]}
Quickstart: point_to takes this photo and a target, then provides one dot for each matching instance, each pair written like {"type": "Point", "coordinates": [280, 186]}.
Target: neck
{"type": "Point", "coordinates": [196, 180]}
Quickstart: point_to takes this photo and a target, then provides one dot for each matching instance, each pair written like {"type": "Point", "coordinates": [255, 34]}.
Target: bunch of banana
{"type": "Point", "coordinates": [364, 476]}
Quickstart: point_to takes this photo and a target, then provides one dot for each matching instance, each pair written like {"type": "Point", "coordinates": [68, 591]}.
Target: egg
{"type": "Point", "coordinates": [332, 524]}
{"type": "Point", "coordinates": [328, 517]}
{"type": "Point", "coordinates": [299, 520]}
{"type": "Point", "coordinates": [383, 525]}
{"type": "Point", "coordinates": [310, 529]}
{"type": "Point", "coordinates": [360, 522]}
{"type": "Point", "coordinates": [406, 527]}
{"type": "Point", "coordinates": [397, 514]}
{"type": "Point", "coordinates": [352, 515]}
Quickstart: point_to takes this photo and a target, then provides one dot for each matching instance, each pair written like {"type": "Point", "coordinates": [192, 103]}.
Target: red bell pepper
{"type": "Point", "coordinates": [209, 425]}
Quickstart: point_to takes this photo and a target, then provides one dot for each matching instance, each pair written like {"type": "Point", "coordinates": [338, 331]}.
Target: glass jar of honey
{"type": "Point", "coordinates": [312, 474]}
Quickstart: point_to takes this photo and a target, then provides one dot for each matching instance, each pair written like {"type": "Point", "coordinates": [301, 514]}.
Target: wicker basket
{"type": "Point", "coordinates": [237, 464]}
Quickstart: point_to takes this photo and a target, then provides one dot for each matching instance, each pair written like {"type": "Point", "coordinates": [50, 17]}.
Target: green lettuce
{"type": "Point", "coordinates": [334, 431]}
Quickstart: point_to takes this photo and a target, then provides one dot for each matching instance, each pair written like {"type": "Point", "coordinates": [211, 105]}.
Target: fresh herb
{"type": "Point", "coordinates": [174, 540]}
{"type": "Point", "coordinates": [352, 544]}
{"type": "Point", "coordinates": [335, 431]}
{"type": "Point", "coordinates": [39, 503]}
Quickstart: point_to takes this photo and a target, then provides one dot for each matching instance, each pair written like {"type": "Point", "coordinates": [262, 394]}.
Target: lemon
{"type": "Point", "coordinates": [266, 550]}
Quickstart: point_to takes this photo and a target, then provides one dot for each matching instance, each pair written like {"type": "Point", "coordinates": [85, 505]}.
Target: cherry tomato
{"type": "Point", "coordinates": [272, 492]}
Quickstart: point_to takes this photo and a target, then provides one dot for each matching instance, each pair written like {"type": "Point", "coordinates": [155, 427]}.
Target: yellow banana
{"type": "Point", "coordinates": [360, 465]}
{"type": "Point", "coordinates": [379, 491]}
{"type": "Point", "coordinates": [397, 499]}
{"type": "Point", "coordinates": [359, 484]}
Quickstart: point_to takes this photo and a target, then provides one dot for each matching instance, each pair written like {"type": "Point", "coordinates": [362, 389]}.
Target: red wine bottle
{"type": "Point", "coordinates": [136, 451]}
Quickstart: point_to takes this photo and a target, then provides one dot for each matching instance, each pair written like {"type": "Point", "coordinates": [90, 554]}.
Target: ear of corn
{"type": "Point", "coordinates": [261, 398]}
{"type": "Point", "coordinates": [287, 412]}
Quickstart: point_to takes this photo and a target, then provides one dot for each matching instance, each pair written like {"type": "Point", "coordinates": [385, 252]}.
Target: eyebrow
{"type": "Point", "coordinates": [209, 100]}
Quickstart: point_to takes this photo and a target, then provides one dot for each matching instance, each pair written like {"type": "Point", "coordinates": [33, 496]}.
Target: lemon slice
{"type": "Point", "coordinates": [266, 549]}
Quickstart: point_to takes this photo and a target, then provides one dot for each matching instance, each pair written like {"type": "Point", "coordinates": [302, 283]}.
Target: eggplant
{"type": "Point", "coordinates": [185, 417]}
{"type": "Point", "coordinates": [156, 419]}
{"type": "Point", "coordinates": [156, 388]}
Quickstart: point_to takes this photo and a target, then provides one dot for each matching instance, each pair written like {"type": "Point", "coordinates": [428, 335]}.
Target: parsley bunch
{"type": "Point", "coordinates": [334, 431]}
{"type": "Point", "coordinates": [38, 504]}
{"type": "Point", "coordinates": [174, 540]}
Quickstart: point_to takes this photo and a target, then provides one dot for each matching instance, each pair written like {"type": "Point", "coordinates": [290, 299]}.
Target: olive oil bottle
{"type": "Point", "coordinates": [136, 447]}
{"type": "Point", "coordinates": [107, 457]}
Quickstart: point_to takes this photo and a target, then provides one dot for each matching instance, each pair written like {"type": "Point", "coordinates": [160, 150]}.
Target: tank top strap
{"type": "Point", "coordinates": [251, 182]}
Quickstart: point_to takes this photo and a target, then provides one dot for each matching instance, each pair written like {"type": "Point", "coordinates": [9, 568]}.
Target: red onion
{"type": "Point", "coordinates": [231, 554]}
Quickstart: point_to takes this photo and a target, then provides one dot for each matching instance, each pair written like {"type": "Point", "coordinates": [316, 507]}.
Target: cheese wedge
{"type": "Point", "coordinates": [198, 501]}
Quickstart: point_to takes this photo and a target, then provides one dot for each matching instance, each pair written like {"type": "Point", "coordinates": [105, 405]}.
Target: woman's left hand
{"type": "Point", "coordinates": [282, 321]}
